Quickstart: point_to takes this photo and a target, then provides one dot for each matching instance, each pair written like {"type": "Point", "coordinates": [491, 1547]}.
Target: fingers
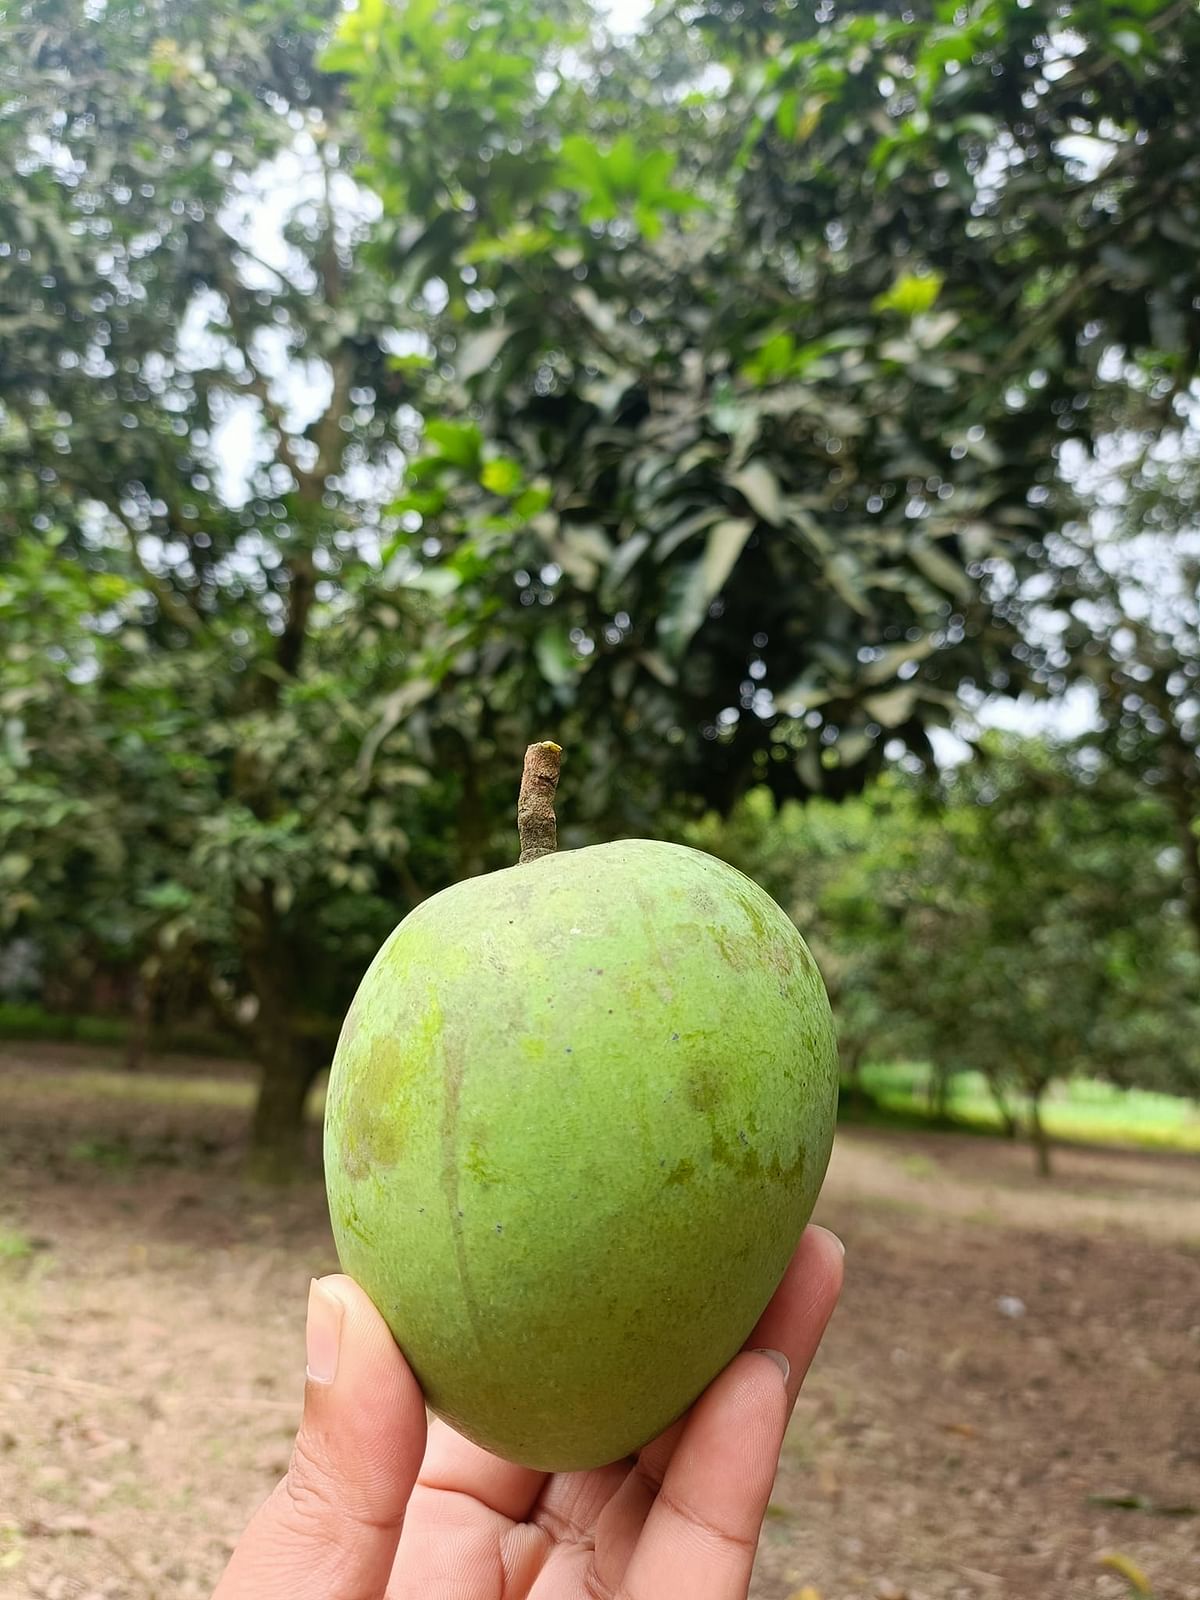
{"type": "Point", "coordinates": [464, 1504]}
{"type": "Point", "coordinates": [572, 1503]}
{"type": "Point", "coordinates": [329, 1530]}
{"type": "Point", "coordinates": [701, 1532]}
{"type": "Point", "coordinates": [620, 1523]}
{"type": "Point", "coordinates": [455, 1465]}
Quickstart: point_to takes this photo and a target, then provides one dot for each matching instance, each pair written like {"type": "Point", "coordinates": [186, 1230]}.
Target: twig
{"type": "Point", "coordinates": [536, 823]}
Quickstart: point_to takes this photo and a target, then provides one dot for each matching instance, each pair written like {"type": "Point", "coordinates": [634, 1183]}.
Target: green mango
{"type": "Point", "coordinates": [578, 1118]}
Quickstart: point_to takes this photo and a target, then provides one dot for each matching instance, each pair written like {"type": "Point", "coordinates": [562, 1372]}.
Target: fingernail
{"type": "Point", "coordinates": [829, 1234]}
{"type": "Point", "coordinates": [778, 1358]}
{"type": "Point", "coordinates": [322, 1333]}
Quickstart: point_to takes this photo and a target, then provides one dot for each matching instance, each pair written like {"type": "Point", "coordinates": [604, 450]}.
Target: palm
{"type": "Point", "coordinates": [485, 1530]}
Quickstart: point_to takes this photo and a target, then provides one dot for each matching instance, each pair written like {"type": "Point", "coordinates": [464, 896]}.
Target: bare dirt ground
{"type": "Point", "coordinates": [1011, 1359]}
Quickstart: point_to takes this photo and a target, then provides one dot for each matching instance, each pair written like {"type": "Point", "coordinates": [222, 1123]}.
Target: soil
{"type": "Point", "coordinates": [1008, 1397]}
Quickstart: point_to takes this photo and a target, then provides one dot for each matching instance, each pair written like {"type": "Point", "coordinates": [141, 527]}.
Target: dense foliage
{"type": "Point", "coordinates": [380, 389]}
{"type": "Point", "coordinates": [789, 316]}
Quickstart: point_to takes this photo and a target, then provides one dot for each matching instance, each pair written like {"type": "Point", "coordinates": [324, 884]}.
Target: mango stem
{"type": "Point", "coordinates": [536, 825]}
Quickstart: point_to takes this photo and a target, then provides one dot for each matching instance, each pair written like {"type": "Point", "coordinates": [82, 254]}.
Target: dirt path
{"type": "Point", "coordinates": [1007, 1355]}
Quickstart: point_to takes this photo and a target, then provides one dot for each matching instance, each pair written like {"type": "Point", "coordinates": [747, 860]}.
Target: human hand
{"type": "Point", "coordinates": [375, 1508]}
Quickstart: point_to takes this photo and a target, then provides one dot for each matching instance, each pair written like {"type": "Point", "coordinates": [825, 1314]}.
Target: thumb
{"type": "Point", "coordinates": [329, 1531]}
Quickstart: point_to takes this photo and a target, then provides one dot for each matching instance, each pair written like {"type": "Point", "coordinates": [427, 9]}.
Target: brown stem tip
{"type": "Point", "coordinates": [535, 808]}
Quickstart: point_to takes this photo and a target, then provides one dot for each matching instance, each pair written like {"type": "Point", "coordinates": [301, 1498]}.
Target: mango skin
{"type": "Point", "coordinates": [578, 1117]}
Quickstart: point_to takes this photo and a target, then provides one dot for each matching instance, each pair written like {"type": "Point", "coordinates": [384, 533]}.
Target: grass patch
{"type": "Point", "coordinates": [865, 1108]}
{"type": "Point", "coordinates": [120, 1156]}
{"type": "Point", "coordinates": [113, 1155]}
{"type": "Point", "coordinates": [136, 1088]}
{"type": "Point", "coordinates": [31, 1023]}
{"type": "Point", "coordinates": [920, 1167]}
{"type": "Point", "coordinates": [14, 1245]}
{"type": "Point", "coordinates": [1082, 1110]}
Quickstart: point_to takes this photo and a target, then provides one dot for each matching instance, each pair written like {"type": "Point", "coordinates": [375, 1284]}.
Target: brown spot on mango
{"type": "Point", "coordinates": [383, 1068]}
{"type": "Point", "coordinates": [705, 1089]}
{"type": "Point", "coordinates": [682, 1172]}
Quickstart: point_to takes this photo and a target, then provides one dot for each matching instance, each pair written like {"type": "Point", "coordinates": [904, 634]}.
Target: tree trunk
{"type": "Point", "coordinates": [141, 1009]}
{"type": "Point", "coordinates": [283, 1049]}
{"type": "Point", "coordinates": [938, 1093]}
{"type": "Point", "coordinates": [854, 1084]}
{"type": "Point", "coordinates": [1037, 1131]}
{"type": "Point", "coordinates": [1008, 1119]}
{"type": "Point", "coordinates": [289, 1068]}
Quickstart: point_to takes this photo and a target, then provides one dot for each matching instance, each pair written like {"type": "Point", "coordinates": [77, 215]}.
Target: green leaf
{"type": "Point", "coordinates": [648, 220]}
{"type": "Point", "coordinates": [846, 579]}
{"type": "Point", "coordinates": [658, 668]}
{"type": "Point", "coordinates": [759, 486]}
{"type": "Point", "coordinates": [940, 570]}
{"type": "Point", "coordinates": [459, 443]}
{"type": "Point", "coordinates": [911, 294]}
{"type": "Point", "coordinates": [581, 157]}
{"type": "Point", "coordinates": [584, 168]}
{"type": "Point", "coordinates": [622, 167]}
{"type": "Point", "coordinates": [521, 240]}
{"type": "Point", "coordinates": [653, 178]}
{"type": "Point", "coordinates": [555, 656]}
{"type": "Point", "coordinates": [437, 581]}
{"type": "Point", "coordinates": [785, 115]}
{"type": "Point", "coordinates": [478, 349]}
{"type": "Point", "coordinates": [696, 586]}
{"type": "Point", "coordinates": [409, 363]}
{"type": "Point", "coordinates": [680, 532]}
{"type": "Point", "coordinates": [502, 475]}
{"type": "Point", "coordinates": [624, 558]}
{"type": "Point", "coordinates": [892, 708]}
{"type": "Point", "coordinates": [774, 359]}
{"type": "Point", "coordinates": [885, 667]}
{"type": "Point", "coordinates": [395, 708]}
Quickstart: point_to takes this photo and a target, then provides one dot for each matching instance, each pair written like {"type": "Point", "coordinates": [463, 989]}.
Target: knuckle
{"type": "Point", "coordinates": [309, 1486]}
{"type": "Point", "coordinates": [563, 1530]}
{"type": "Point", "coordinates": [649, 1476]}
{"type": "Point", "coordinates": [595, 1588]}
{"type": "Point", "coordinates": [710, 1532]}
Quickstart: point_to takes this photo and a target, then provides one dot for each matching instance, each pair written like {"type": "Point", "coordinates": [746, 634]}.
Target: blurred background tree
{"type": "Point", "coordinates": [198, 419]}
{"type": "Point", "coordinates": [1127, 583]}
{"type": "Point", "coordinates": [736, 400]}
{"type": "Point", "coordinates": [1020, 920]}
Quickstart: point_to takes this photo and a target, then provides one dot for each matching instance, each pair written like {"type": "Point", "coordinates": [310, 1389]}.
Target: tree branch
{"type": "Point", "coordinates": [301, 592]}
{"type": "Point", "coordinates": [256, 384]}
{"type": "Point", "coordinates": [173, 606]}
{"type": "Point", "coordinates": [326, 432]}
